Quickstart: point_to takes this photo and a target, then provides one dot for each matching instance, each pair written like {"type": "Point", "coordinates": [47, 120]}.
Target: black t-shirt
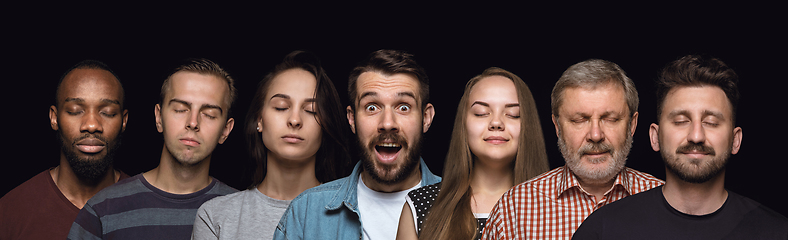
{"type": "Point", "coordinates": [649, 216]}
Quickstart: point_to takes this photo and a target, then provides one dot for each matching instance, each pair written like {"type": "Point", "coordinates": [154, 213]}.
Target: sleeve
{"type": "Point", "coordinates": [289, 227]}
{"type": "Point", "coordinates": [87, 225]}
{"type": "Point", "coordinates": [204, 226]}
{"type": "Point", "coordinates": [490, 231]}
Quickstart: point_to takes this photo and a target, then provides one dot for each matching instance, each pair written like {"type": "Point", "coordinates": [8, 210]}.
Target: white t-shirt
{"type": "Point", "coordinates": [380, 211]}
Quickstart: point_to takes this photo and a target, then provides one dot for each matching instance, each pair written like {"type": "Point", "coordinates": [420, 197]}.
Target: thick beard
{"type": "Point", "coordinates": [683, 170]}
{"type": "Point", "coordinates": [412, 154]}
{"type": "Point", "coordinates": [88, 169]}
{"type": "Point", "coordinates": [615, 163]}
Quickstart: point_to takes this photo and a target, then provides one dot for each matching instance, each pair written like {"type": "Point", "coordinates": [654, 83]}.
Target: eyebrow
{"type": "Point", "coordinates": [704, 113]}
{"type": "Point", "coordinates": [285, 96]}
{"type": "Point", "coordinates": [399, 94]}
{"type": "Point", "coordinates": [82, 100]}
{"type": "Point", "coordinates": [204, 106]}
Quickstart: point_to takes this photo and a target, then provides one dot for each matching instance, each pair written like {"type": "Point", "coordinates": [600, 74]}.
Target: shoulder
{"type": "Point", "coordinates": [757, 212]}
{"type": "Point", "coordinates": [123, 188]}
{"type": "Point", "coordinates": [643, 178]}
{"type": "Point", "coordinates": [225, 201]}
{"type": "Point", "coordinates": [323, 190]}
{"type": "Point", "coordinates": [538, 183]}
{"type": "Point", "coordinates": [28, 189]}
{"type": "Point", "coordinates": [433, 189]}
{"type": "Point", "coordinates": [221, 188]}
{"type": "Point", "coordinates": [636, 204]}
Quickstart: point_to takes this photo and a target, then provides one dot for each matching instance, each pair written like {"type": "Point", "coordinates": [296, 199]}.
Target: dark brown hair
{"type": "Point", "coordinates": [389, 62]}
{"type": "Point", "coordinates": [333, 158]}
{"type": "Point", "coordinates": [698, 71]}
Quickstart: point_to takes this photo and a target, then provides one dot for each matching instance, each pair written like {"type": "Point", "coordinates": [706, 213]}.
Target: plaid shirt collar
{"type": "Point", "coordinates": [567, 180]}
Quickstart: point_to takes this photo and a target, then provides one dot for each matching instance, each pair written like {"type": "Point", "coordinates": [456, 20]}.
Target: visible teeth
{"type": "Point", "coordinates": [388, 145]}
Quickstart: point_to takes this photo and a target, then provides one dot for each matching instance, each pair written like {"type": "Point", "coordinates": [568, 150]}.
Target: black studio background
{"type": "Point", "coordinates": [142, 44]}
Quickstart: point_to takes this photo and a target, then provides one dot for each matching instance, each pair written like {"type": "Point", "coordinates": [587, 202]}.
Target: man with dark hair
{"type": "Point", "coordinates": [389, 113]}
{"type": "Point", "coordinates": [595, 112]}
{"type": "Point", "coordinates": [696, 135]}
{"type": "Point", "coordinates": [193, 116]}
{"type": "Point", "coordinates": [89, 117]}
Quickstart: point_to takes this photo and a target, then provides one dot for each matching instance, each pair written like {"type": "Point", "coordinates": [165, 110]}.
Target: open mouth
{"type": "Point", "coordinates": [387, 152]}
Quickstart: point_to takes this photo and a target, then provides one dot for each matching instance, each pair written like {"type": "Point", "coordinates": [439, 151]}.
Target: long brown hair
{"type": "Point", "coordinates": [451, 216]}
{"type": "Point", "coordinates": [333, 157]}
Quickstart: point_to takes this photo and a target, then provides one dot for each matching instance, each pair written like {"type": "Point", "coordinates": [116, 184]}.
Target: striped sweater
{"type": "Point", "coordinates": [135, 209]}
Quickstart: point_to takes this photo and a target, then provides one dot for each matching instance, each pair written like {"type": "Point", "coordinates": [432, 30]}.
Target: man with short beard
{"type": "Point", "coordinates": [594, 106]}
{"type": "Point", "coordinates": [389, 114]}
{"type": "Point", "coordinates": [697, 99]}
{"type": "Point", "coordinates": [89, 117]}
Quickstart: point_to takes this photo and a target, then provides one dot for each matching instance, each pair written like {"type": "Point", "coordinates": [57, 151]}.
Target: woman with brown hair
{"type": "Point", "coordinates": [496, 143]}
{"type": "Point", "coordinates": [297, 139]}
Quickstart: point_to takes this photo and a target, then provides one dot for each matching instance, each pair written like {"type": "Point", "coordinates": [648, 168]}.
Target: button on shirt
{"type": "Point", "coordinates": [552, 205]}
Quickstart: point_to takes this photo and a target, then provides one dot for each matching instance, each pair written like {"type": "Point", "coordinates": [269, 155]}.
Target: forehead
{"type": "Point", "coordinates": [198, 89]}
{"type": "Point", "coordinates": [89, 83]}
{"type": "Point", "coordinates": [494, 89]}
{"type": "Point", "coordinates": [381, 84]}
{"type": "Point", "coordinates": [697, 99]}
{"type": "Point", "coordinates": [293, 82]}
{"type": "Point", "coordinates": [589, 100]}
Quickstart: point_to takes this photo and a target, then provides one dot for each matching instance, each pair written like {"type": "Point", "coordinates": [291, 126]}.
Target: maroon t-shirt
{"type": "Point", "coordinates": [36, 209]}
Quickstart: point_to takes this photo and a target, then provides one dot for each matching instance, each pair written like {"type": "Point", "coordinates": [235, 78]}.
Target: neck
{"type": "Point", "coordinates": [695, 198]}
{"type": "Point", "coordinates": [411, 181]}
{"type": "Point", "coordinates": [488, 184]}
{"type": "Point", "coordinates": [78, 192]}
{"type": "Point", "coordinates": [597, 187]}
{"type": "Point", "coordinates": [285, 179]}
{"type": "Point", "coordinates": [174, 177]}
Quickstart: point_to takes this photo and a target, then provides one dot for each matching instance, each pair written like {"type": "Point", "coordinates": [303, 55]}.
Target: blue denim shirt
{"type": "Point", "coordinates": [330, 211]}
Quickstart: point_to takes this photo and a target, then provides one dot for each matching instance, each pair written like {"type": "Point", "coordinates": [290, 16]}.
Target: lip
{"type": "Point", "coordinates": [695, 154]}
{"type": "Point", "coordinates": [190, 142]}
{"type": "Point", "coordinates": [292, 138]}
{"type": "Point", "coordinates": [90, 145]}
{"type": "Point", "coordinates": [388, 156]}
{"type": "Point", "coordinates": [496, 140]}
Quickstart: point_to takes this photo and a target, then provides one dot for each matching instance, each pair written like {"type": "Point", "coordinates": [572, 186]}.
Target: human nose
{"type": "Point", "coordinates": [294, 121]}
{"type": "Point", "coordinates": [496, 123]}
{"type": "Point", "coordinates": [194, 122]}
{"type": "Point", "coordinates": [92, 123]}
{"type": "Point", "coordinates": [596, 134]}
{"type": "Point", "coordinates": [388, 122]}
{"type": "Point", "coordinates": [697, 134]}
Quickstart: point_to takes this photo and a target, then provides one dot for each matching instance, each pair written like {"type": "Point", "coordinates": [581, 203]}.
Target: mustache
{"type": "Point", "coordinates": [594, 147]}
{"type": "Point", "coordinates": [389, 137]}
{"type": "Point", "coordinates": [90, 135]}
{"type": "Point", "coordinates": [686, 148]}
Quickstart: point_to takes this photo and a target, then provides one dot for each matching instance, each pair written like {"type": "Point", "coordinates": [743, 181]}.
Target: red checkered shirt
{"type": "Point", "coordinates": [552, 205]}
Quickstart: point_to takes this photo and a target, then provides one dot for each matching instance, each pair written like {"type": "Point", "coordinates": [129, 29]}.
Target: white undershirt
{"type": "Point", "coordinates": [380, 211]}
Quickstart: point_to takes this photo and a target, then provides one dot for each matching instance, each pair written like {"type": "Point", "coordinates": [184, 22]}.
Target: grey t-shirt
{"type": "Point", "coordinates": [249, 214]}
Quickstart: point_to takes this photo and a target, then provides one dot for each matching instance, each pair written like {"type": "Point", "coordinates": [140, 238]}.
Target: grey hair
{"type": "Point", "coordinates": [591, 74]}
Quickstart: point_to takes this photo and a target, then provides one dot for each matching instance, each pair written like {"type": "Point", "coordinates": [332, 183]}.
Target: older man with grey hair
{"type": "Point", "coordinates": [594, 110]}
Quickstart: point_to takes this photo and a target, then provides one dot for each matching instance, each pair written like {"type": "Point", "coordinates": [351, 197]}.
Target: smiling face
{"type": "Point", "coordinates": [288, 124]}
{"type": "Point", "coordinates": [493, 122]}
{"type": "Point", "coordinates": [695, 134]}
{"type": "Point", "coordinates": [89, 120]}
{"type": "Point", "coordinates": [389, 124]}
{"type": "Point", "coordinates": [193, 117]}
{"type": "Point", "coordinates": [595, 131]}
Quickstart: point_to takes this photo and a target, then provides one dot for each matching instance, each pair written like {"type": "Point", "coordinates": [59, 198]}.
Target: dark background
{"type": "Point", "coordinates": [453, 43]}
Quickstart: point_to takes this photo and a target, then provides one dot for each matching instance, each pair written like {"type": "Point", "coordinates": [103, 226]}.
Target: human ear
{"type": "Point", "coordinates": [351, 119]}
{"type": "Point", "coordinates": [429, 114]}
{"type": "Point", "coordinates": [737, 135]}
{"type": "Point", "coordinates": [653, 136]}
{"type": "Point", "coordinates": [157, 113]}
{"type": "Point", "coordinates": [53, 117]}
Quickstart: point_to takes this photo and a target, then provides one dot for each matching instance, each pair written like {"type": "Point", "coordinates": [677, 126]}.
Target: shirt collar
{"type": "Point", "coordinates": [348, 191]}
{"type": "Point", "coordinates": [568, 180]}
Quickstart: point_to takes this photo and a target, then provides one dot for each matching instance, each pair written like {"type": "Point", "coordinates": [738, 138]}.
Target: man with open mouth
{"type": "Point", "coordinates": [389, 113]}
